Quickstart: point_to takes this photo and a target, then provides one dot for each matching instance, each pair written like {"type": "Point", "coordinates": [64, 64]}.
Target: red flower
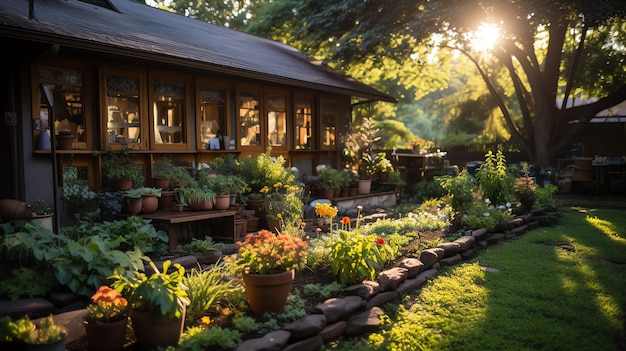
{"type": "Point", "coordinates": [380, 241]}
{"type": "Point", "coordinates": [345, 220]}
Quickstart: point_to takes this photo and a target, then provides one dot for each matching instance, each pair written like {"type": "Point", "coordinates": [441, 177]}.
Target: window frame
{"type": "Point", "coordinates": [186, 129]}
{"type": "Point", "coordinates": [225, 128]}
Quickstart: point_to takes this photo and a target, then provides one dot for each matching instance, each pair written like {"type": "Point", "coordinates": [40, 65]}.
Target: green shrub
{"type": "Point", "coordinates": [211, 290]}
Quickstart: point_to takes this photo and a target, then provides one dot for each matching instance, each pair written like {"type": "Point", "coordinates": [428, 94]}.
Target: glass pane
{"type": "Point", "coordinates": [329, 116]}
{"type": "Point", "coordinates": [277, 120]}
{"type": "Point", "coordinates": [169, 113]}
{"type": "Point", "coordinates": [303, 125]}
{"type": "Point", "coordinates": [66, 86]}
{"type": "Point", "coordinates": [123, 122]}
{"type": "Point", "coordinates": [249, 119]}
{"type": "Point", "coordinates": [212, 113]}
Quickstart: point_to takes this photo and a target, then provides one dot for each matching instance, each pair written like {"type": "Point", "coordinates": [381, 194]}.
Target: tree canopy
{"type": "Point", "coordinates": [543, 51]}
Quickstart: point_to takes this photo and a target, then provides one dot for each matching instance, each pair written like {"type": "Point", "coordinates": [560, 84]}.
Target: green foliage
{"type": "Point", "coordinates": [264, 170]}
{"type": "Point", "coordinates": [199, 339]}
{"type": "Point", "coordinates": [425, 190]}
{"type": "Point", "coordinates": [543, 195]}
{"type": "Point", "coordinates": [83, 256]}
{"type": "Point", "coordinates": [24, 282]}
{"type": "Point", "coordinates": [494, 182]}
{"type": "Point", "coordinates": [324, 291]}
{"type": "Point", "coordinates": [15, 330]}
{"type": "Point", "coordinates": [40, 207]}
{"type": "Point", "coordinates": [46, 332]}
{"type": "Point", "coordinates": [210, 290]}
{"type": "Point", "coordinates": [202, 245]}
{"type": "Point", "coordinates": [163, 293]}
{"type": "Point", "coordinates": [329, 178]}
{"type": "Point", "coordinates": [356, 257]}
{"type": "Point", "coordinates": [460, 189]}
{"type": "Point", "coordinates": [119, 164]}
{"type": "Point", "coordinates": [482, 214]}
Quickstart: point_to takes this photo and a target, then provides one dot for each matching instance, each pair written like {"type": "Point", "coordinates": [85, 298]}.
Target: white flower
{"type": "Point", "coordinates": [519, 204]}
{"type": "Point", "coordinates": [487, 201]}
{"type": "Point", "coordinates": [486, 214]}
{"type": "Point", "coordinates": [508, 205]}
{"type": "Point", "coordinates": [501, 207]}
{"type": "Point", "coordinates": [203, 165]}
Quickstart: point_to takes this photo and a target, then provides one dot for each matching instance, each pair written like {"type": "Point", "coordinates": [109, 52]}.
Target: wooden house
{"type": "Point", "coordinates": [110, 73]}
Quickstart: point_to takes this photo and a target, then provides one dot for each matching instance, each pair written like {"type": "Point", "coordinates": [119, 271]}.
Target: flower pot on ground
{"type": "Point", "coordinates": [157, 302]}
{"type": "Point", "coordinates": [47, 336]}
{"type": "Point", "coordinates": [11, 209]}
{"type": "Point", "coordinates": [266, 254]}
{"type": "Point", "coordinates": [105, 325]}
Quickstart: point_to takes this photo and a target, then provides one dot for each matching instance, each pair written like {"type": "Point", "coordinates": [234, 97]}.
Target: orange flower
{"type": "Point", "coordinates": [345, 220]}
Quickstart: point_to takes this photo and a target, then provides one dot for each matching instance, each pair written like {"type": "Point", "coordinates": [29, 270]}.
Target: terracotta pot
{"type": "Point", "coordinates": [268, 292]}
{"type": "Point", "coordinates": [65, 141]}
{"type": "Point", "coordinates": [222, 202]}
{"type": "Point", "coordinates": [204, 205]}
{"type": "Point", "coordinates": [255, 204]}
{"type": "Point", "coordinates": [273, 224]}
{"type": "Point", "coordinates": [353, 192]}
{"type": "Point", "coordinates": [328, 194]}
{"type": "Point", "coordinates": [241, 226]}
{"type": "Point", "coordinates": [253, 224]}
{"type": "Point", "coordinates": [365, 186]}
{"type": "Point", "coordinates": [124, 184]}
{"type": "Point", "coordinates": [152, 333]}
{"type": "Point", "coordinates": [106, 336]}
{"type": "Point", "coordinates": [132, 205]}
{"type": "Point", "coordinates": [11, 209]}
{"type": "Point", "coordinates": [161, 183]}
{"type": "Point", "coordinates": [167, 200]}
{"type": "Point", "coordinates": [345, 192]}
{"type": "Point", "coordinates": [45, 221]}
{"type": "Point", "coordinates": [149, 203]}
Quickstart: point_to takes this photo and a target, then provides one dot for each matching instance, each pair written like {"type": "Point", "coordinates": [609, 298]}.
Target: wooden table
{"type": "Point", "coordinates": [174, 220]}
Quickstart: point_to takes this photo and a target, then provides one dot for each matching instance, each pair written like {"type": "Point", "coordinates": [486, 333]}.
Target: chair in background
{"type": "Point", "coordinates": [582, 172]}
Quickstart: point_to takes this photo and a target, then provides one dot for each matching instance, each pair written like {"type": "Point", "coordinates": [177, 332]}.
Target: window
{"type": "Point", "coordinates": [168, 97]}
{"type": "Point", "coordinates": [125, 114]}
{"type": "Point", "coordinates": [212, 110]}
{"type": "Point", "coordinates": [277, 120]}
{"type": "Point", "coordinates": [66, 91]}
{"type": "Point", "coordinates": [249, 118]}
{"type": "Point", "coordinates": [303, 124]}
{"type": "Point", "coordinates": [329, 122]}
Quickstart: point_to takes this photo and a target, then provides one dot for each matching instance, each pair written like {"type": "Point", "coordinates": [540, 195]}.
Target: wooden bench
{"type": "Point", "coordinates": [174, 220]}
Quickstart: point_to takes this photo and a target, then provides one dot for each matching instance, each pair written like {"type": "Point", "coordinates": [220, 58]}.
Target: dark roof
{"type": "Point", "coordinates": [133, 29]}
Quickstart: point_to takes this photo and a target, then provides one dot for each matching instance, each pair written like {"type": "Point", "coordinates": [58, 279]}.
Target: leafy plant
{"type": "Point", "coordinates": [46, 332]}
{"type": "Point", "coordinates": [460, 189]}
{"type": "Point", "coordinates": [119, 164]}
{"type": "Point", "coordinates": [150, 191]}
{"type": "Point", "coordinates": [192, 194]}
{"type": "Point", "coordinates": [494, 182]}
{"type": "Point", "coordinates": [162, 293]}
{"type": "Point", "coordinates": [167, 169]}
{"type": "Point", "coordinates": [356, 257]}
{"type": "Point", "coordinates": [198, 339]}
{"type": "Point", "coordinates": [211, 290]}
{"type": "Point", "coordinates": [40, 208]}
{"type": "Point", "coordinates": [283, 202]}
{"type": "Point", "coordinates": [17, 330]}
{"type": "Point", "coordinates": [202, 245]}
{"type": "Point", "coordinates": [329, 178]}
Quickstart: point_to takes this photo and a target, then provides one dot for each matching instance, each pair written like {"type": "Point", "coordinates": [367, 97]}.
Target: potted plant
{"type": "Point", "coordinates": [282, 204]}
{"type": "Point", "coordinates": [223, 186]}
{"type": "Point", "coordinates": [267, 263]}
{"type": "Point", "coordinates": [167, 175]}
{"type": "Point", "coordinates": [382, 167]}
{"type": "Point", "coordinates": [149, 199]}
{"type": "Point", "coordinates": [118, 167]}
{"type": "Point", "coordinates": [41, 213]}
{"type": "Point", "coordinates": [196, 198]}
{"type": "Point", "coordinates": [131, 201]}
{"type": "Point", "coordinates": [47, 336]}
{"type": "Point", "coordinates": [157, 302]}
{"type": "Point", "coordinates": [105, 324]}
{"type": "Point", "coordinates": [206, 250]}
{"type": "Point", "coordinates": [329, 180]}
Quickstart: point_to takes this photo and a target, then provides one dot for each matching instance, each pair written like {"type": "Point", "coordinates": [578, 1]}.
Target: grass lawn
{"type": "Point", "coordinates": [527, 293]}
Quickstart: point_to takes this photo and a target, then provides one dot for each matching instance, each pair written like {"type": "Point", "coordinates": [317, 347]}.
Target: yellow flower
{"type": "Point", "coordinates": [206, 320]}
{"type": "Point", "coordinates": [264, 190]}
{"type": "Point", "coordinates": [278, 185]}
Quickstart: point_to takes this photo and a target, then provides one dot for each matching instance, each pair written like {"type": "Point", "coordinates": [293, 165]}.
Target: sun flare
{"type": "Point", "coordinates": [484, 38]}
